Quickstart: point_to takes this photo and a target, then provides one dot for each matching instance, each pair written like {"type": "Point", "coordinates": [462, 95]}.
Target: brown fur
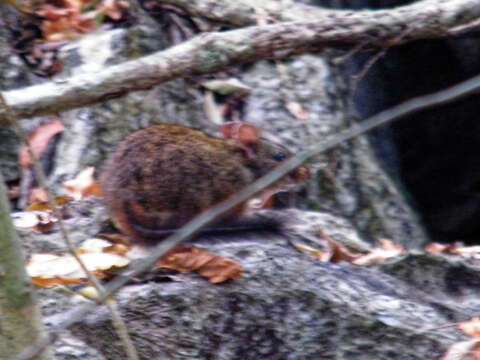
{"type": "Point", "coordinates": [162, 176]}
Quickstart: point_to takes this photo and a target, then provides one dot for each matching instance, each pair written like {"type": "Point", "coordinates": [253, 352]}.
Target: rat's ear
{"type": "Point", "coordinates": [244, 135]}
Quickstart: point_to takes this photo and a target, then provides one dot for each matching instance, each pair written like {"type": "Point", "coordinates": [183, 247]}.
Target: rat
{"type": "Point", "coordinates": [160, 177]}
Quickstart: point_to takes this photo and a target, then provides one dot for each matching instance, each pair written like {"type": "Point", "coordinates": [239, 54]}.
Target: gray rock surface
{"type": "Point", "coordinates": [286, 305]}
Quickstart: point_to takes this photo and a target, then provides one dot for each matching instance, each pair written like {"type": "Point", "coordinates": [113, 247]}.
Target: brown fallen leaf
{"type": "Point", "coordinates": [38, 140]}
{"type": "Point", "coordinates": [187, 258]}
{"type": "Point", "coordinates": [55, 281]}
{"type": "Point", "coordinates": [83, 184]}
{"type": "Point", "coordinates": [220, 269]}
{"type": "Point", "coordinates": [333, 250]}
{"type": "Point", "coordinates": [336, 251]}
{"type": "Point", "coordinates": [437, 248]}
{"type": "Point", "coordinates": [69, 19]}
{"type": "Point", "coordinates": [44, 206]}
{"type": "Point", "coordinates": [386, 250]}
{"type": "Point", "coordinates": [65, 20]}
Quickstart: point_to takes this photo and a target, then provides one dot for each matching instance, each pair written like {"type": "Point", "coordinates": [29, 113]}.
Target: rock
{"type": "Point", "coordinates": [286, 305]}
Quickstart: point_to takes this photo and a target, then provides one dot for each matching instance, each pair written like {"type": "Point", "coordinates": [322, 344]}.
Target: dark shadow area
{"type": "Point", "coordinates": [434, 154]}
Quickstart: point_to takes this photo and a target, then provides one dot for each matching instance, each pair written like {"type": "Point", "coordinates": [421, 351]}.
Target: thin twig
{"type": "Point", "coordinates": [366, 67]}
{"type": "Point", "coordinates": [42, 179]}
{"type": "Point", "coordinates": [339, 60]}
{"type": "Point", "coordinates": [384, 117]}
{"type": "Point", "coordinates": [466, 28]}
{"type": "Point", "coordinates": [358, 77]}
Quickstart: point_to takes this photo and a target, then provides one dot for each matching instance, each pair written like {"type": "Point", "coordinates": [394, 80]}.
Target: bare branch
{"type": "Point", "coordinates": [211, 52]}
{"type": "Point", "coordinates": [430, 15]}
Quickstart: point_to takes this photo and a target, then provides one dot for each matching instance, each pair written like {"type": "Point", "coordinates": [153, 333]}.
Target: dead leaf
{"type": "Point", "coordinates": [456, 248]}
{"type": "Point", "coordinates": [471, 327]}
{"type": "Point", "coordinates": [437, 248]}
{"type": "Point", "coordinates": [187, 258]}
{"type": "Point", "coordinates": [38, 221]}
{"type": "Point", "coordinates": [50, 269]}
{"type": "Point", "coordinates": [38, 140]}
{"type": "Point", "coordinates": [96, 245]}
{"type": "Point", "coordinates": [65, 21]}
{"type": "Point", "coordinates": [211, 109]}
{"type": "Point", "coordinates": [44, 205]}
{"type": "Point", "coordinates": [297, 110]}
{"type": "Point", "coordinates": [90, 292]}
{"type": "Point", "coordinates": [386, 250]}
{"type": "Point", "coordinates": [68, 19]}
{"type": "Point", "coordinates": [46, 221]}
{"type": "Point", "coordinates": [114, 9]}
{"type": "Point", "coordinates": [50, 12]}
{"type": "Point", "coordinates": [463, 350]}
{"type": "Point", "coordinates": [336, 251]}
{"type": "Point", "coordinates": [83, 184]}
{"type": "Point", "coordinates": [220, 269]}
{"type": "Point", "coordinates": [119, 249]}
{"type": "Point", "coordinates": [116, 238]}
{"type": "Point", "coordinates": [316, 253]}
{"type": "Point", "coordinates": [70, 27]}
{"type": "Point", "coordinates": [24, 219]}
{"type": "Point", "coordinates": [466, 350]}
{"type": "Point", "coordinates": [93, 245]}
{"type": "Point", "coordinates": [37, 195]}
{"type": "Point", "coordinates": [227, 86]}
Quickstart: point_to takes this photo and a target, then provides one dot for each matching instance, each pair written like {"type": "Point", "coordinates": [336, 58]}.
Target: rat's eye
{"type": "Point", "coordinates": [279, 156]}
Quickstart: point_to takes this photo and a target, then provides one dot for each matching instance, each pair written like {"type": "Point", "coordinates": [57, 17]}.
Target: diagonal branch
{"type": "Point", "coordinates": [212, 52]}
